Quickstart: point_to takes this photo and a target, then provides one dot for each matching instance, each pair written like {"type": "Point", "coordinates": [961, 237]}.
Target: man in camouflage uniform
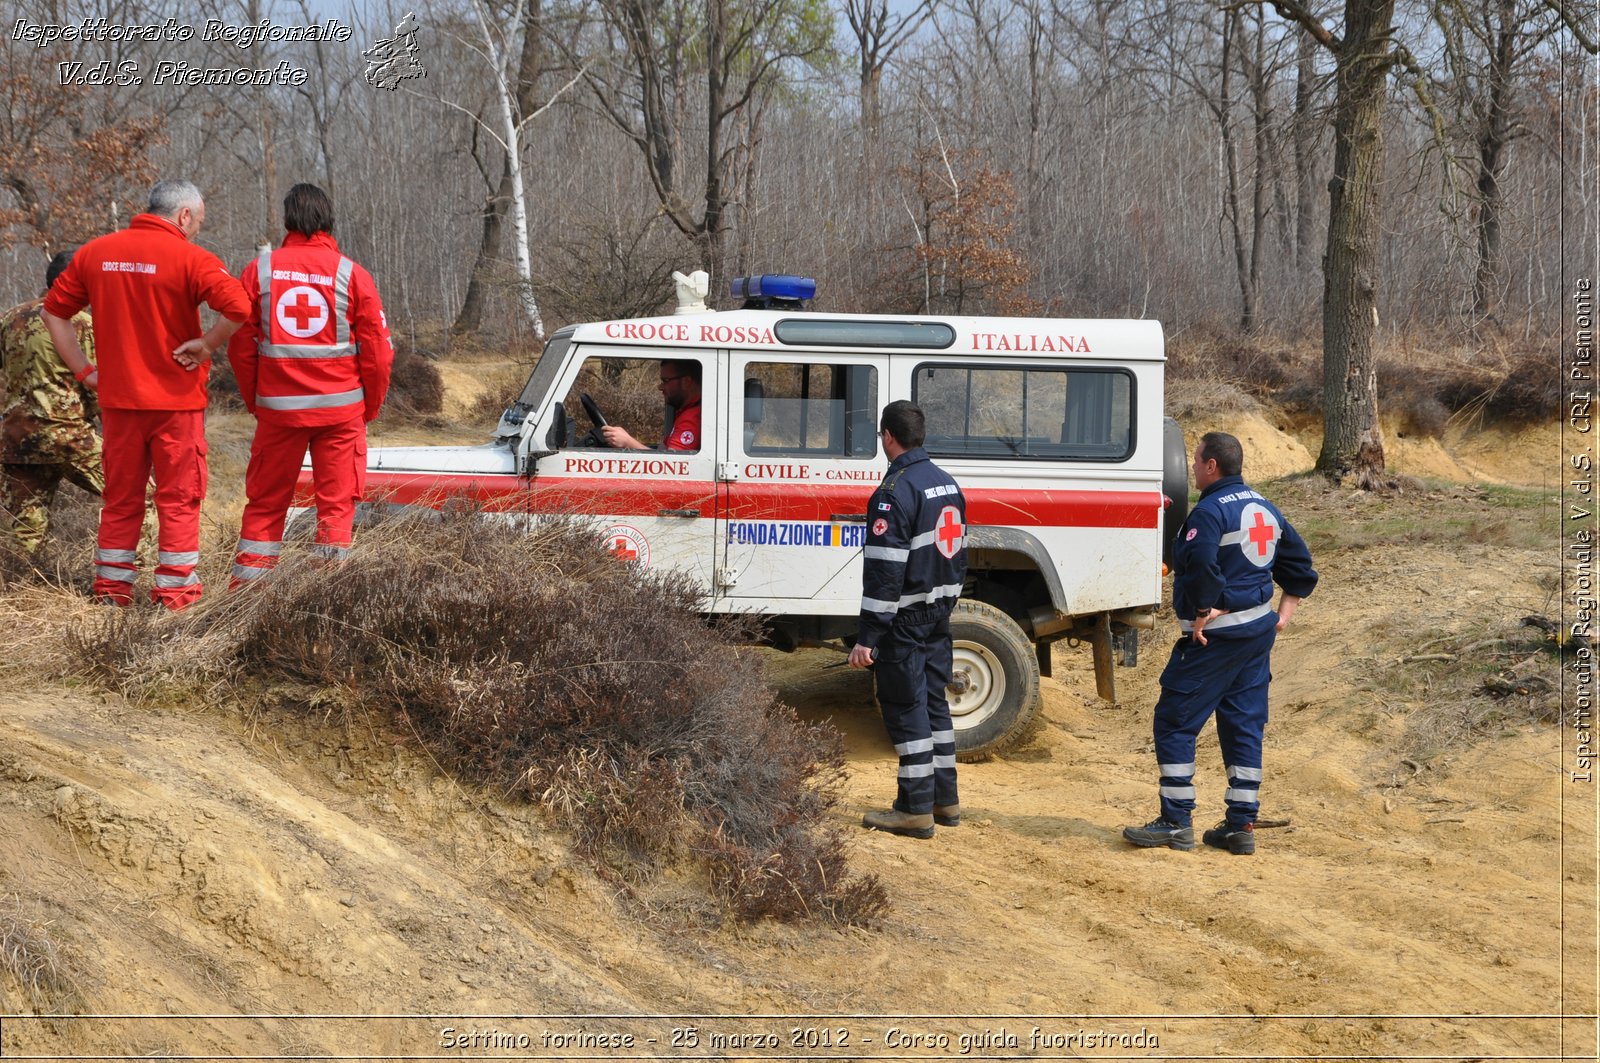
{"type": "Point", "coordinates": [46, 432]}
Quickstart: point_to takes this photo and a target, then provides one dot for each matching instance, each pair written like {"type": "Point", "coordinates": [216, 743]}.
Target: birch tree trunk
{"type": "Point", "coordinates": [511, 129]}
{"type": "Point", "coordinates": [496, 206]}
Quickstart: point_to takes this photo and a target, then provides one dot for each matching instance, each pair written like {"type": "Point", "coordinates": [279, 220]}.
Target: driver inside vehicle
{"type": "Point", "coordinates": [680, 388]}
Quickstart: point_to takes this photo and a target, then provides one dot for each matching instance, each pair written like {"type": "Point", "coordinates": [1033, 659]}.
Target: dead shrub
{"type": "Point", "coordinates": [1193, 401]}
{"type": "Point", "coordinates": [222, 387]}
{"type": "Point", "coordinates": [533, 661]}
{"type": "Point", "coordinates": [1410, 391]}
{"type": "Point", "coordinates": [415, 387]}
{"type": "Point", "coordinates": [802, 869]}
{"type": "Point", "coordinates": [1426, 389]}
{"type": "Point", "coordinates": [1430, 392]}
{"type": "Point", "coordinates": [66, 557]}
{"type": "Point", "coordinates": [1477, 683]}
{"type": "Point", "coordinates": [613, 268]}
{"type": "Point", "coordinates": [503, 388]}
{"type": "Point", "coordinates": [1214, 371]}
{"type": "Point", "coordinates": [1521, 387]}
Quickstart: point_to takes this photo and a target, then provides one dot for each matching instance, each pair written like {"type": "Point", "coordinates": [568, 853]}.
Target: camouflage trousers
{"type": "Point", "coordinates": [26, 492]}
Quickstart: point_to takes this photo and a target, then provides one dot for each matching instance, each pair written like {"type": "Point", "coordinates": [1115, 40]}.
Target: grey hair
{"type": "Point", "coordinates": [170, 196]}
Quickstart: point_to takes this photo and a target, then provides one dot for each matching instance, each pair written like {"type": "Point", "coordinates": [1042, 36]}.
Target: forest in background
{"type": "Point", "coordinates": [1099, 158]}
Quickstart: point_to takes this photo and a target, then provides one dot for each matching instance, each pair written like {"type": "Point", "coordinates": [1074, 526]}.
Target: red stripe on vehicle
{"type": "Point", "coordinates": [1065, 509]}
{"type": "Point", "coordinates": [625, 497]}
{"type": "Point", "coordinates": [508, 494]}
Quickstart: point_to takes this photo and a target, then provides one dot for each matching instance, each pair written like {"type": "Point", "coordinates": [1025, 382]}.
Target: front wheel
{"type": "Point", "coordinates": [994, 688]}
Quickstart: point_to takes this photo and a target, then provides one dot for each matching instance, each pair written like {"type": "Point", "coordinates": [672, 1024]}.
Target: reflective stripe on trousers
{"type": "Point", "coordinates": [253, 559]}
{"type": "Point", "coordinates": [912, 671]}
{"type": "Point", "coordinates": [1227, 678]}
{"type": "Point", "coordinates": [170, 447]}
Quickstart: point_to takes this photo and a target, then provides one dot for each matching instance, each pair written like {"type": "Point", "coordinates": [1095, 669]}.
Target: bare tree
{"type": "Point", "coordinates": [1352, 439]}
{"type": "Point", "coordinates": [1304, 133]}
{"type": "Point", "coordinates": [1485, 43]}
{"type": "Point", "coordinates": [735, 54]}
{"type": "Point", "coordinates": [63, 176]}
{"type": "Point", "coordinates": [878, 35]}
{"type": "Point", "coordinates": [503, 45]}
{"type": "Point", "coordinates": [322, 94]}
{"type": "Point", "coordinates": [497, 201]}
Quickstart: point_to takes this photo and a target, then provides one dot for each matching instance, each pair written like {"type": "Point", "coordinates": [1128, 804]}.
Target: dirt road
{"type": "Point", "coordinates": [186, 862]}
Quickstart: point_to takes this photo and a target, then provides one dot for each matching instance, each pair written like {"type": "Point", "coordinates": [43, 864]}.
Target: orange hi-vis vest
{"type": "Point", "coordinates": [308, 358]}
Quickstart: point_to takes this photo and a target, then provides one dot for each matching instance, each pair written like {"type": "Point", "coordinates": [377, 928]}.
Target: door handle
{"type": "Point", "coordinates": [679, 513]}
{"type": "Point", "coordinates": [848, 518]}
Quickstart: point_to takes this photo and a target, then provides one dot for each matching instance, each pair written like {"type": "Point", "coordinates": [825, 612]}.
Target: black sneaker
{"type": "Point", "coordinates": [1240, 841]}
{"type": "Point", "coordinates": [1159, 832]}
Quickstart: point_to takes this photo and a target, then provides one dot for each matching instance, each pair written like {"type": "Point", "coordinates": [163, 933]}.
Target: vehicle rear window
{"type": "Point", "coordinates": [1025, 412]}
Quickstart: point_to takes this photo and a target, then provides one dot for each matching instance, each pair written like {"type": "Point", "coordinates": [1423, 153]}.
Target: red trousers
{"type": "Point", "coordinates": [172, 445]}
{"type": "Point", "coordinates": [339, 470]}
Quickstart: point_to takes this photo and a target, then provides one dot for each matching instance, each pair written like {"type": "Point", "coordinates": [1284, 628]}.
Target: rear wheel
{"type": "Point", "coordinates": [994, 689]}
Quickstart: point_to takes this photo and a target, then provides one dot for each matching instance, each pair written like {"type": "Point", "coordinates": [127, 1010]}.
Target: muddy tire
{"type": "Point", "coordinates": [994, 696]}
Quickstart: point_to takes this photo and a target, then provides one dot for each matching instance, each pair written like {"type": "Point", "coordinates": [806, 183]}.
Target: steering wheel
{"type": "Point", "coordinates": [595, 438]}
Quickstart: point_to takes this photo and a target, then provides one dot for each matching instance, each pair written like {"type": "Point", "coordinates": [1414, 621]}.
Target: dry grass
{"type": "Point", "coordinates": [533, 662]}
{"type": "Point", "coordinates": [1428, 382]}
{"type": "Point", "coordinates": [500, 390]}
{"type": "Point", "coordinates": [31, 958]}
{"type": "Point", "coordinates": [1480, 689]}
{"type": "Point", "coordinates": [1467, 685]}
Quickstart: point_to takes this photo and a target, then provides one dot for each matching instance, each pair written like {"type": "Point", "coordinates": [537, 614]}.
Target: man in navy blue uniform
{"type": "Point", "coordinates": [1232, 549]}
{"type": "Point", "coordinates": [914, 564]}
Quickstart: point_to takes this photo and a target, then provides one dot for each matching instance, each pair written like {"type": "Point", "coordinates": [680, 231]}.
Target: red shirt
{"type": "Point", "coordinates": [312, 261]}
{"type": "Point", "coordinates": [146, 284]}
{"type": "Point", "coordinates": [685, 434]}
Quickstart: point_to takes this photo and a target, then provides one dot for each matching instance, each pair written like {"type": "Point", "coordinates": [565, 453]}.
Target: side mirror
{"type": "Point", "coordinates": [510, 426]}
{"type": "Point", "coordinates": [556, 438]}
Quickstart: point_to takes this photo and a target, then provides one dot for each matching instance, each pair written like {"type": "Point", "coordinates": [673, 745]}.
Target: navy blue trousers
{"type": "Point", "coordinates": [912, 671]}
{"type": "Point", "coordinates": [1227, 677]}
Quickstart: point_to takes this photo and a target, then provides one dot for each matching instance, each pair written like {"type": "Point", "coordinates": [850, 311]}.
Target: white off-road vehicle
{"type": "Point", "coordinates": [1053, 428]}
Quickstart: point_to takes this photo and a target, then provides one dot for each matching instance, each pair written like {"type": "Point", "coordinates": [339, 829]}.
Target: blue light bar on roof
{"type": "Point", "coordinates": [774, 286]}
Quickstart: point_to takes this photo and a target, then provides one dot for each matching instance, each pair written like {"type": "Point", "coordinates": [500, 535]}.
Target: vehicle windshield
{"type": "Point", "coordinates": [545, 369]}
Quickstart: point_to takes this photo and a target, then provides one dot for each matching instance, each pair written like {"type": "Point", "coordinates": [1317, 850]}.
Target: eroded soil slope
{"type": "Point", "coordinates": [305, 873]}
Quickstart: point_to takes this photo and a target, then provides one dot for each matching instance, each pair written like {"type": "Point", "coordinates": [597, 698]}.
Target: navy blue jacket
{"type": "Point", "coordinates": [1228, 554]}
{"type": "Point", "coordinates": [916, 555]}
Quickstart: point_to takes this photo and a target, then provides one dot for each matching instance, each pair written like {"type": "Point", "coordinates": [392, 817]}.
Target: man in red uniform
{"type": "Point", "coordinates": [146, 284]}
{"type": "Point", "coordinates": [680, 386]}
{"type": "Point", "coordinates": [313, 362]}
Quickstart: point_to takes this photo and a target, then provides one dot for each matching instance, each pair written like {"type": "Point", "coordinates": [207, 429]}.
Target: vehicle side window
{"type": "Point", "coordinates": [804, 409]}
{"type": "Point", "coordinates": [1026, 412]}
{"type": "Point", "coordinates": [627, 392]}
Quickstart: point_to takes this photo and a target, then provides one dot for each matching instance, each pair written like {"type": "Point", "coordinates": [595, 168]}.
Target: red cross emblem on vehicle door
{"type": "Point", "coordinates": [1258, 530]}
{"type": "Point", "coordinates": [628, 543]}
{"type": "Point", "coordinates": [301, 311]}
{"type": "Point", "coordinates": [952, 535]}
